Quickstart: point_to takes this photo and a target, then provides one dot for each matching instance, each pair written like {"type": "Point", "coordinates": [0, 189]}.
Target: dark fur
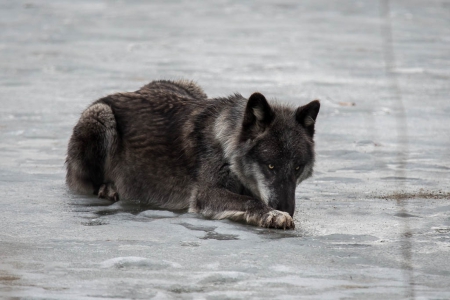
{"type": "Point", "coordinates": [168, 145]}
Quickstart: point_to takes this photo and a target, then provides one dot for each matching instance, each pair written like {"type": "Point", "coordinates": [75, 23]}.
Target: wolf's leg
{"type": "Point", "coordinates": [217, 203]}
{"type": "Point", "coordinates": [91, 143]}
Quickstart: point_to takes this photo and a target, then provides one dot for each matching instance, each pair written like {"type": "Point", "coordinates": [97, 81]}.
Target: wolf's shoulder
{"type": "Point", "coordinates": [181, 88]}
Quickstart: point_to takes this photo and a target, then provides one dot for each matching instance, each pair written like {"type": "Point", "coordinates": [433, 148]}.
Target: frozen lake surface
{"type": "Point", "coordinates": [373, 222]}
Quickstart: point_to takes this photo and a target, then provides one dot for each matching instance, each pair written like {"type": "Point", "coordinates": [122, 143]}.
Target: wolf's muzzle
{"type": "Point", "coordinates": [286, 199]}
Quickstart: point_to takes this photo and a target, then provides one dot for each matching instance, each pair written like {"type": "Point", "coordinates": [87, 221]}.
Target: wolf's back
{"type": "Point", "coordinates": [148, 154]}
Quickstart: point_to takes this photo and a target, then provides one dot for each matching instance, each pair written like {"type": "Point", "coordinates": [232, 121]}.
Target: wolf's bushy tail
{"type": "Point", "coordinates": [89, 147]}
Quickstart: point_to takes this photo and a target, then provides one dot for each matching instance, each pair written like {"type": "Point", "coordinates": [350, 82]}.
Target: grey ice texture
{"type": "Point", "coordinates": [353, 240]}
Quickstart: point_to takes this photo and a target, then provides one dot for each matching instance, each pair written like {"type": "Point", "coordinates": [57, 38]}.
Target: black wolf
{"type": "Point", "coordinates": [170, 146]}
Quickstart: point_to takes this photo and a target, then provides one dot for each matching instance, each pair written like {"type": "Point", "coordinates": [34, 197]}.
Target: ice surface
{"type": "Point", "coordinates": [374, 220]}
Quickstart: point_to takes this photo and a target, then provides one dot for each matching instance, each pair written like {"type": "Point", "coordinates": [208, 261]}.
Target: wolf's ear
{"type": "Point", "coordinates": [258, 115]}
{"type": "Point", "coordinates": [306, 115]}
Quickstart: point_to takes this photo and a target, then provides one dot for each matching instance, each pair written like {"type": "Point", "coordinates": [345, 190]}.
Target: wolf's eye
{"type": "Point", "coordinates": [271, 166]}
{"type": "Point", "coordinates": [298, 168]}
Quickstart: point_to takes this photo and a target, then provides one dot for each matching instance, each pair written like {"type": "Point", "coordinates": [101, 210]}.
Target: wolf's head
{"type": "Point", "coordinates": [275, 150]}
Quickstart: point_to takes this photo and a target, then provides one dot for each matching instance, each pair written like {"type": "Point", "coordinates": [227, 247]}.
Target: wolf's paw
{"type": "Point", "coordinates": [277, 219]}
{"type": "Point", "coordinates": [108, 191]}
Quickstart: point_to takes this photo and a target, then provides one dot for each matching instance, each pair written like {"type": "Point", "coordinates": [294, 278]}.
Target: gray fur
{"type": "Point", "coordinates": [170, 146]}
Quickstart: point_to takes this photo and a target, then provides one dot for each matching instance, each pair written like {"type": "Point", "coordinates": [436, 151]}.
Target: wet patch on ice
{"type": "Point", "coordinates": [422, 194]}
{"type": "Point", "coordinates": [101, 207]}
{"type": "Point", "coordinates": [339, 179]}
{"type": "Point", "coordinates": [218, 285]}
{"type": "Point", "coordinates": [95, 222]}
{"type": "Point", "coordinates": [223, 277]}
{"type": "Point", "coordinates": [274, 234]}
{"type": "Point", "coordinates": [347, 246]}
{"type": "Point", "coordinates": [350, 287]}
{"type": "Point", "coordinates": [198, 227]}
{"type": "Point", "coordinates": [442, 230]}
{"type": "Point", "coordinates": [141, 212]}
{"type": "Point", "coordinates": [121, 207]}
{"type": "Point", "coordinates": [210, 233]}
{"type": "Point", "coordinates": [348, 240]}
{"type": "Point", "coordinates": [6, 278]}
{"type": "Point", "coordinates": [184, 289]}
{"type": "Point", "coordinates": [401, 179]}
{"type": "Point", "coordinates": [157, 214]}
{"type": "Point", "coordinates": [90, 203]}
{"type": "Point", "coordinates": [189, 244]}
{"type": "Point", "coordinates": [366, 146]}
{"type": "Point", "coordinates": [405, 215]}
{"type": "Point", "coordinates": [136, 262]}
{"type": "Point", "coordinates": [340, 237]}
{"type": "Point", "coordinates": [219, 236]}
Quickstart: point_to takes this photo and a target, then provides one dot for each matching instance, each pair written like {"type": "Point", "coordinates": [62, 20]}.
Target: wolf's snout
{"type": "Point", "coordinates": [287, 207]}
{"type": "Point", "coordinates": [285, 199]}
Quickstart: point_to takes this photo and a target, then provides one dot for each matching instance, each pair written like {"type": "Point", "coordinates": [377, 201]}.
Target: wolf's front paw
{"type": "Point", "coordinates": [108, 191]}
{"type": "Point", "coordinates": [277, 219]}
